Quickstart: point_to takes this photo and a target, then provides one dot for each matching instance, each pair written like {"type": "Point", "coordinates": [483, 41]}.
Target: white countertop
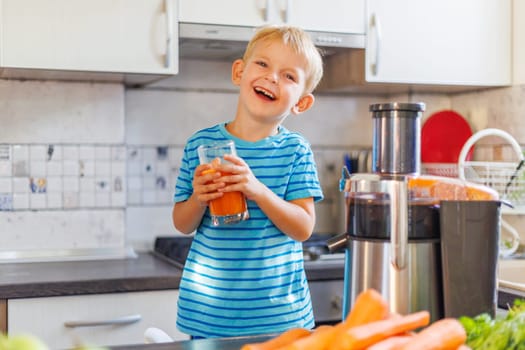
{"type": "Point", "coordinates": [511, 274]}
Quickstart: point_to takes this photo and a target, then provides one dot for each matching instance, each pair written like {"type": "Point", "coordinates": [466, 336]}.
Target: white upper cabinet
{"type": "Point", "coordinates": [342, 16]}
{"type": "Point", "coordinates": [452, 42]}
{"type": "Point", "coordinates": [225, 12]}
{"type": "Point", "coordinates": [109, 36]}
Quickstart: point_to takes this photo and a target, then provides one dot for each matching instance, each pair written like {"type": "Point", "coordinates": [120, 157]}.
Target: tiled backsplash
{"type": "Point", "coordinates": [69, 176]}
{"type": "Point", "coordinates": [151, 174]}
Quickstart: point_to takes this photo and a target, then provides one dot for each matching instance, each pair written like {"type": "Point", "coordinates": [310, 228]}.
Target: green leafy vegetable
{"type": "Point", "coordinates": [486, 333]}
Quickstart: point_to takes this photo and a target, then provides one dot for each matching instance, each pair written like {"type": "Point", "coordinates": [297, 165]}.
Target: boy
{"type": "Point", "coordinates": [248, 278]}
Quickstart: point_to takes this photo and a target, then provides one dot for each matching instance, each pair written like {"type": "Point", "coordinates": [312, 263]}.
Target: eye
{"type": "Point", "coordinates": [290, 77]}
{"type": "Point", "coordinates": [261, 63]}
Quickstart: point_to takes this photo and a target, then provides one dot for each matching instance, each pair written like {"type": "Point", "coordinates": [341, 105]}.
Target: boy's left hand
{"type": "Point", "coordinates": [241, 179]}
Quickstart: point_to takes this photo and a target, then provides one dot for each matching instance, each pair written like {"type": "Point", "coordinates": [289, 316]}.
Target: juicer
{"type": "Point", "coordinates": [394, 240]}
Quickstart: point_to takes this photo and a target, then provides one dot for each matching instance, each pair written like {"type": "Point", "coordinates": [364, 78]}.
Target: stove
{"type": "Point", "coordinates": [174, 249]}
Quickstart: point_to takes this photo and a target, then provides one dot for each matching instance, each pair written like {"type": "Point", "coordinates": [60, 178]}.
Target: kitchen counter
{"type": "Point", "coordinates": [29, 280]}
{"type": "Point", "coordinates": [146, 272]}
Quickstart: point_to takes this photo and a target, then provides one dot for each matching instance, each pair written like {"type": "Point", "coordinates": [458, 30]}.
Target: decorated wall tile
{"type": "Point", "coordinates": [6, 201]}
{"type": "Point", "coordinates": [89, 176]}
{"type": "Point", "coordinates": [36, 176]}
{"type": "Point", "coordinates": [6, 164]}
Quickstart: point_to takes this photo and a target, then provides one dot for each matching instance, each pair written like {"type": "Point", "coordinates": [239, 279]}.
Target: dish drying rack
{"type": "Point", "coordinates": [505, 177]}
{"type": "Point", "coordinates": [440, 169]}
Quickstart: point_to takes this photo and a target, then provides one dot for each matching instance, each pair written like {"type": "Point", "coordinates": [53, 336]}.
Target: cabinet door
{"type": "Point", "coordinates": [249, 13]}
{"type": "Point", "coordinates": [439, 42]}
{"type": "Point", "coordinates": [98, 319]}
{"type": "Point", "coordinates": [131, 36]}
{"type": "Point", "coordinates": [342, 16]}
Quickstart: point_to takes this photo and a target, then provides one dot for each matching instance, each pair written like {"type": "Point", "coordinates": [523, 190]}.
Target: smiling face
{"type": "Point", "coordinates": [272, 83]}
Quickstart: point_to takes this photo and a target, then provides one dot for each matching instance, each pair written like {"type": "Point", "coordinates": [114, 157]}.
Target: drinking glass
{"type": "Point", "coordinates": [231, 207]}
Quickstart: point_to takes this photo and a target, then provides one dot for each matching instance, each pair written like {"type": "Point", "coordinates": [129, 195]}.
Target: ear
{"type": "Point", "coordinates": [237, 69]}
{"type": "Point", "coordinates": [304, 104]}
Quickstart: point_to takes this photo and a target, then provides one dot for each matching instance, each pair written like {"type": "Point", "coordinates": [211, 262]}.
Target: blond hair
{"type": "Point", "coordinates": [300, 42]}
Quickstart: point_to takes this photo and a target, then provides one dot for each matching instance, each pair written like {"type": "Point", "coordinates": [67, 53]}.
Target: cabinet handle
{"type": "Point", "coordinates": [374, 23]}
{"type": "Point", "coordinates": [267, 11]}
{"type": "Point", "coordinates": [169, 31]}
{"type": "Point", "coordinates": [112, 322]}
{"type": "Point", "coordinates": [286, 15]}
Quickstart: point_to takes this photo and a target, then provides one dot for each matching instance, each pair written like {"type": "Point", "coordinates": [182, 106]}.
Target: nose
{"type": "Point", "coordinates": [272, 77]}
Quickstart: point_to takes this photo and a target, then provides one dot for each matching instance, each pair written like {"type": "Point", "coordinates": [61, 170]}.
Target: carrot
{"type": "Point", "coordinates": [369, 306]}
{"type": "Point", "coordinates": [281, 340]}
{"type": "Point", "coordinates": [361, 337]}
{"type": "Point", "coordinates": [445, 334]}
{"type": "Point", "coordinates": [391, 343]}
{"type": "Point", "coordinates": [318, 340]}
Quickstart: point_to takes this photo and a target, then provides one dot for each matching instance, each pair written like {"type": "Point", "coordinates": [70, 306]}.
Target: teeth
{"type": "Point", "coordinates": [265, 93]}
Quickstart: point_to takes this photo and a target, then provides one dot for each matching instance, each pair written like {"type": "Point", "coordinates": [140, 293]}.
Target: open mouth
{"type": "Point", "coordinates": [265, 93]}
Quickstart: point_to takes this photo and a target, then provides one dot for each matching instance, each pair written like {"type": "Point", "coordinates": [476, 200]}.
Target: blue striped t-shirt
{"type": "Point", "coordinates": [248, 278]}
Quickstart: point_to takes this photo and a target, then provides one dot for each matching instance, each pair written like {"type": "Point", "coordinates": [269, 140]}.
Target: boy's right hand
{"type": "Point", "coordinates": [204, 188]}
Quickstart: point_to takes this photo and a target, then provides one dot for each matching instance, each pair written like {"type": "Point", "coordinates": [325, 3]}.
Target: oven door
{"type": "Point", "coordinates": [327, 301]}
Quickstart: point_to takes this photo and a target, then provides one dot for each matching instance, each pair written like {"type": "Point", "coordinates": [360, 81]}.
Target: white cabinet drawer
{"type": "Point", "coordinates": [124, 318]}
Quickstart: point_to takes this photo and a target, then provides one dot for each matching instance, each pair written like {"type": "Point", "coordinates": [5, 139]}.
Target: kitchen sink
{"type": "Point", "coordinates": [511, 273]}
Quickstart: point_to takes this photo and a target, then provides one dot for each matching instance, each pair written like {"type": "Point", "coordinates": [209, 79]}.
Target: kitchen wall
{"type": "Point", "coordinates": [109, 179]}
{"type": "Point", "coordinates": [51, 209]}
{"type": "Point", "coordinates": [502, 108]}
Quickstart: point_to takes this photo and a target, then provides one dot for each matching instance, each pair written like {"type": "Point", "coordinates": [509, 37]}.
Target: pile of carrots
{"type": "Point", "coordinates": [371, 326]}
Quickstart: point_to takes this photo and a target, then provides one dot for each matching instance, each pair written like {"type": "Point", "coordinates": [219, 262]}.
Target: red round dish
{"type": "Point", "coordinates": [442, 136]}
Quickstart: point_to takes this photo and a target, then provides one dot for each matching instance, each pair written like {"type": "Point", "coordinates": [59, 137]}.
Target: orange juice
{"type": "Point", "coordinates": [231, 205]}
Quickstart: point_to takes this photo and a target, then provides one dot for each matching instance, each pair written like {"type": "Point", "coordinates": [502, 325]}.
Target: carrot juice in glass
{"type": "Point", "coordinates": [231, 207]}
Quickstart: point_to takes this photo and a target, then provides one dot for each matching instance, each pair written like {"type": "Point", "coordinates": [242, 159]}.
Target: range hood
{"type": "Point", "coordinates": [223, 42]}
